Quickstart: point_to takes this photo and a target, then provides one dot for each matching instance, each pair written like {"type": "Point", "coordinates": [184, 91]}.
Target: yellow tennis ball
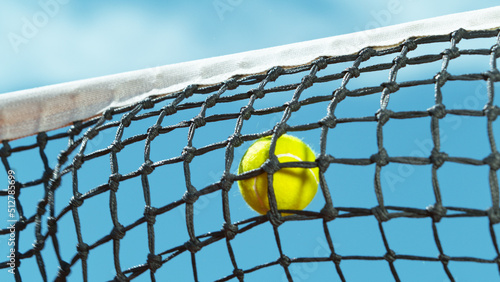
{"type": "Point", "coordinates": [294, 188]}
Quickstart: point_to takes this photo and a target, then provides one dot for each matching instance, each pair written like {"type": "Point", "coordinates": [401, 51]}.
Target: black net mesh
{"type": "Point", "coordinates": [69, 222]}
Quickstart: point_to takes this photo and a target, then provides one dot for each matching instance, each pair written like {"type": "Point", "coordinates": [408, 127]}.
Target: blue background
{"type": "Point", "coordinates": [84, 39]}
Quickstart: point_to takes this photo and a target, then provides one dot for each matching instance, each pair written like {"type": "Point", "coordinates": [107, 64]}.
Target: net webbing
{"type": "Point", "coordinates": [76, 155]}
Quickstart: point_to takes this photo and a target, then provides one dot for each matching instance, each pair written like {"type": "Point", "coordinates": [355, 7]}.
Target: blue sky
{"type": "Point", "coordinates": [69, 40]}
{"type": "Point", "coordinates": [95, 38]}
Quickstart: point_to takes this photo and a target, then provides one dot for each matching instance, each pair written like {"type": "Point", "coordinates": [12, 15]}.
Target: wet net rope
{"type": "Point", "coordinates": [71, 159]}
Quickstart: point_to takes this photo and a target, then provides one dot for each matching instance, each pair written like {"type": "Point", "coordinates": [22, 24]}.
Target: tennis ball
{"type": "Point", "coordinates": [294, 188]}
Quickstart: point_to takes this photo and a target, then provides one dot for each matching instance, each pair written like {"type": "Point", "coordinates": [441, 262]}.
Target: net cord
{"type": "Point", "coordinates": [27, 112]}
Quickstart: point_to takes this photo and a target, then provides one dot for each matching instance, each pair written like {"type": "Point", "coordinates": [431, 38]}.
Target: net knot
{"type": "Point", "coordinates": [329, 121]}
{"type": "Point", "coordinates": [54, 182]}
{"type": "Point", "coordinates": [438, 111]}
{"type": "Point", "coordinates": [391, 86]}
{"type": "Point", "coordinates": [274, 73]}
{"type": "Point", "coordinates": [147, 167]}
{"type": "Point", "coordinates": [308, 80]}
{"type": "Point", "coordinates": [190, 197]}
{"type": "Point", "coordinates": [280, 129]}
{"type": "Point", "coordinates": [284, 261]}
{"type": "Point", "coordinates": [147, 103]}
{"type": "Point", "coordinates": [17, 189]}
{"type": "Point", "coordinates": [381, 158]}
{"type": "Point", "coordinates": [323, 162]}
{"type": "Point", "coordinates": [169, 109]}
{"type": "Point", "coordinates": [492, 74]}
{"type": "Point", "coordinates": [336, 258]}
{"type": "Point", "coordinates": [271, 165]}
{"type": "Point", "coordinates": [18, 261]}
{"type": "Point", "coordinates": [437, 212]}
{"type": "Point", "coordinates": [230, 230]}
{"type": "Point", "coordinates": [77, 200]}
{"type": "Point", "coordinates": [400, 61]}
{"type": "Point", "coordinates": [494, 215]}
{"type": "Point", "coordinates": [78, 161]}
{"type": "Point", "coordinates": [227, 182]}
{"type": "Point", "coordinates": [258, 93]}
{"type": "Point", "coordinates": [239, 273]}
{"type": "Point", "coordinates": [154, 131]}
{"type": "Point", "coordinates": [108, 113]}
{"type": "Point", "coordinates": [492, 112]}
{"type": "Point", "coordinates": [275, 220]}
{"type": "Point", "coordinates": [410, 44]}
{"type": "Point", "coordinates": [246, 112]}
{"type": "Point", "coordinates": [116, 146]}
{"type": "Point", "coordinates": [127, 119]}
{"type": "Point", "coordinates": [39, 244]}
{"type": "Point", "coordinates": [353, 71]}
{"type": "Point", "coordinates": [118, 232]}
{"type": "Point", "coordinates": [40, 208]}
{"type": "Point", "coordinates": [211, 101]}
{"type": "Point", "coordinates": [64, 271]}
{"type": "Point", "coordinates": [380, 214]}
{"type": "Point", "coordinates": [390, 256]}
{"type": "Point", "coordinates": [189, 90]}
{"type": "Point", "coordinates": [231, 83]}
{"type": "Point", "coordinates": [83, 250]}
{"type": "Point", "coordinates": [438, 158]}
{"type": "Point", "coordinates": [320, 63]}
{"type": "Point", "coordinates": [150, 214]}
{"type": "Point", "coordinates": [383, 115]}
{"type": "Point", "coordinates": [452, 52]}
{"type": "Point", "coordinates": [91, 133]}
{"type": "Point", "coordinates": [52, 225]}
{"type": "Point", "coordinates": [76, 128]}
{"type": "Point", "coordinates": [47, 174]}
{"type": "Point", "coordinates": [193, 245]}
{"type": "Point", "coordinates": [329, 213]}
{"type": "Point", "coordinates": [493, 160]}
{"type": "Point", "coordinates": [441, 78]}
{"type": "Point", "coordinates": [41, 140]}
{"type": "Point", "coordinates": [199, 121]}
{"type": "Point", "coordinates": [5, 151]}
{"type": "Point", "coordinates": [444, 258]}
{"type": "Point", "coordinates": [154, 262]}
{"type": "Point", "coordinates": [340, 94]}
{"type": "Point", "coordinates": [293, 105]}
{"type": "Point", "coordinates": [114, 181]}
{"type": "Point", "coordinates": [366, 54]}
{"type": "Point", "coordinates": [188, 153]}
{"type": "Point", "coordinates": [21, 223]}
{"type": "Point", "coordinates": [235, 140]}
{"type": "Point", "coordinates": [458, 34]}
